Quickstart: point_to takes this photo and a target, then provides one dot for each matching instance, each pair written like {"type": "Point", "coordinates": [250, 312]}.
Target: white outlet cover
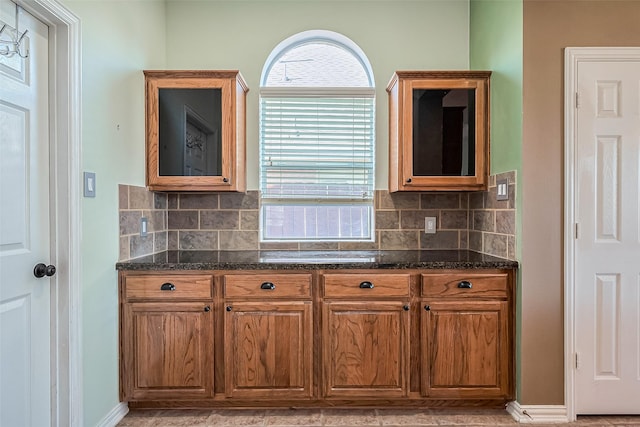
{"type": "Point", "coordinates": [430, 224]}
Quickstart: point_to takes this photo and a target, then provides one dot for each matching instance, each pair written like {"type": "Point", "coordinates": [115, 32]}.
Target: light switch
{"type": "Point", "coordinates": [143, 226]}
{"type": "Point", "coordinates": [89, 184]}
{"type": "Point", "coordinates": [502, 189]}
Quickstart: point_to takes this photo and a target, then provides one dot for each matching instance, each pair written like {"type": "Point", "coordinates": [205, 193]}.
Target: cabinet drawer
{"type": "Point", "coordinates": [169, 286]}
{"type": "Point", "coordinates": [267, 285]}
{"type": "Point", "coordinates": [465, 285]}
{"type": "Point", "coordinates": [360, 285]}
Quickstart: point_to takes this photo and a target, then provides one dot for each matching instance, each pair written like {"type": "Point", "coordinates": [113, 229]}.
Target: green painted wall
{"type": "Point", "coordinates": [495, 32]}
{"type": "Point", "coordinates": [119, 39]}
{"type": "Point", "coordinates": [496, 44]}
{"type": "Point", "coordinates": [394, 34]}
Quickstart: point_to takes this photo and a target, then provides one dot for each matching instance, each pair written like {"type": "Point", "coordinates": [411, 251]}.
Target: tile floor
{"type": "Point", "coordinates": [344, 417]}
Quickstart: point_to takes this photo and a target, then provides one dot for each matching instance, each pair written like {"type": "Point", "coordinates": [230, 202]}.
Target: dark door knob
{"type": "Point", "coordinates": [41, 270]}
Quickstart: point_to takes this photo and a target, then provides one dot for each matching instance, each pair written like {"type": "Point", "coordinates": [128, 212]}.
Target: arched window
{"type": "Point", "coordinates": [317, 121]}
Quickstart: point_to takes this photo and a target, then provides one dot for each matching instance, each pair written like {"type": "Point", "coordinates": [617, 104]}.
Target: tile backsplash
{"type": "Point", "coordinates": [134, 204]}
{"type": "Point", "coordinates": [230, 221]}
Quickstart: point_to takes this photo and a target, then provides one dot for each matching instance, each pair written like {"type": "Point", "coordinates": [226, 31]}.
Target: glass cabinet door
{"type": "Point", "coordinates": [439, 131]}
{"type": "Point", "coordinates": [195, 129]}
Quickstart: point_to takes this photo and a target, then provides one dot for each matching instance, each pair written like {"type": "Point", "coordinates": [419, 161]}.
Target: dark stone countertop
{"type": "Point", "coordinates": [316, 260]}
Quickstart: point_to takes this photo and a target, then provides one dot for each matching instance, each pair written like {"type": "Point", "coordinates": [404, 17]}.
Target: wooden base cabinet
{"type": "Point", "coordinates": [325, 338]}
{"type": "Point", "coordinates": [170, 350]}
{"type": "Point", "coordinates": [467, 346]}
{"type": "Point", "coordinates": [365, 349]}
{"type": "Point", "coordinates": [466, 349]}
{"type": "Point", "coordinates": [268, 336]}
{"type": "Point", "coordinates": [268, 350]}
{"type": "Point", "coordinates": [365, 335]}
{"type": "Point", "coordinates": [166, 337]}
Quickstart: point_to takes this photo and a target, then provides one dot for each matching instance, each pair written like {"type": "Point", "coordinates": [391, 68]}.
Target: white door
{"type": "Point", "coordinates": [607, 249]}
{"type": "Point", "coordinates": [25, 379]}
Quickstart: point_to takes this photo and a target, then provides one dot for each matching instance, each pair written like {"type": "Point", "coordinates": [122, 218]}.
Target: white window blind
{"type": "Point", "coordinates": [317, 148]}
{"type": "Point", "coordinates": [317, 160]}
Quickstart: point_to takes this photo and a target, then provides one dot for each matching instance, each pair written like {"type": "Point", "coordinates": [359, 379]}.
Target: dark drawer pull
{"type": "Point", "coordinates": [405, 307]}
{"type": "Point", "coordinates": [427, 308]}
{"type": "Point", "coordinates": [366, 285]}
{"type": "Point", "coordinates": [465, 285]}
{"type": "Point", "coordinates": [268, 286]}
{"type": "Point", "coordinates": [168, 287]}
{"type": "Point", "coordinates": [207, 309]}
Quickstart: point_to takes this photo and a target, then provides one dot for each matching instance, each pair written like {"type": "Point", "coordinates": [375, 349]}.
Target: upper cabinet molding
{"type": "Point", "coordinates": [195, 130]}
{"type": "Point", "coordinates": [439, 130]}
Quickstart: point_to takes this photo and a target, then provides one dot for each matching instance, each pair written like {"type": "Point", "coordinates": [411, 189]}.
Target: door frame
{"type": "Point", "coordinates": [573, 56]}
{"type": "Point", "coordinates": [65, 214]}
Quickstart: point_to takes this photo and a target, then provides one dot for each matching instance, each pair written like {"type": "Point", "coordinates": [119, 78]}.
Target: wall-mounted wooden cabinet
{"type": "Point", "coordinates": [195, 130]}
{"type": "Point", "coordinates": [439, 130]}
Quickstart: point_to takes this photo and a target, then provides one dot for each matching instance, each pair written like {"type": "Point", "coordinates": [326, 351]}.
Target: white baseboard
{"type": "Point", "coordinates": [114, 416]}
{"type": "Point", "coordinates": [538, 414]}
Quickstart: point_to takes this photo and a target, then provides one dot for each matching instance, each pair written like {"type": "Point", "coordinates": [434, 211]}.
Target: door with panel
{"type": "Point", "coordinates": [25, 328]}
{"type": "Point", "coordinates": [607, 247]}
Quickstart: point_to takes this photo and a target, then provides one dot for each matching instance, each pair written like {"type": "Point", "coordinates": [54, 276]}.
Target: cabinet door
{"type": "Point", "coordinates": [466, 349]}
{"type": "Point", "coordinates": [365, 350]}
{"type": "Point", "coordinates": [167, 350]}
{"type": "Point", "coordinates": [439, 130]}
{"type": "Point", "coordinates": [268, 349]}
{"type": "Point", "coordinates": [195, 130]}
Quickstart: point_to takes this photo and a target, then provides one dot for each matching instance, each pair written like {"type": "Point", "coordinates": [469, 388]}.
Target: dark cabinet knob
{"type": "Point", "coordinates": [405, 307]}
{"type": "Point", "coordinates": [207, 309]}
{"type": "Point", "coordinates": [225, 179]}
{"type": "Point", "coordinates": [268, 286]}
{"type": "Point", "coordinates": [366, 285]}
{"type": "Point", "coordinates": [41, 270]}
{"type": "Point", "coordinates": [229, 308]}
{"type": "Point", "coordinates": [168, 287]}
{"type": "Point", "coordinates": [408, 180]}
{"type": "Point", "coordinates": [465, 285]}
{"type": "Point", "coordinates": [427, 308]}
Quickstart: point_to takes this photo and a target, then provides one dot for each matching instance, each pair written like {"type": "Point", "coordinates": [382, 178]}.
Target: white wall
{"type": "Point", "coordinates": [119, 39]}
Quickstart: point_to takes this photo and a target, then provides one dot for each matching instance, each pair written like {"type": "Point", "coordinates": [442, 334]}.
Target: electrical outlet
{"type": "Point", "coordinates": [430, 224]}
